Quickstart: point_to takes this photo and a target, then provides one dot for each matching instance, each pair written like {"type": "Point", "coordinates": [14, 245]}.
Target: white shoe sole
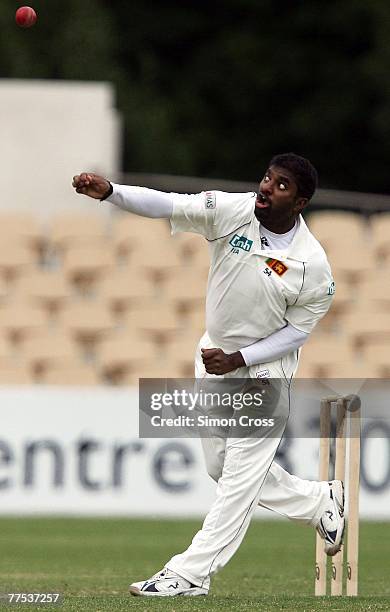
{"type": "Point", "coordinates": [192, 592]}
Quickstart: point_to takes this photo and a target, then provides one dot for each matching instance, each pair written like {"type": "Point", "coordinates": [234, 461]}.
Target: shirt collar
{"type": "Point", "coordinates": [302, 245]}
{"type": "Point", "coordinates": [300, 248]}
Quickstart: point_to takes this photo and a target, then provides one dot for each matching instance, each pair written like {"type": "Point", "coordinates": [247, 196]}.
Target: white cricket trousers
{"type": "Point", "coordinates": [247, 476]}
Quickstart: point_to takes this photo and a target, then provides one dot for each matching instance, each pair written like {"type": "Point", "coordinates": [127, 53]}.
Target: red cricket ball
{"type": "Point", "coordinates": [25, 17]}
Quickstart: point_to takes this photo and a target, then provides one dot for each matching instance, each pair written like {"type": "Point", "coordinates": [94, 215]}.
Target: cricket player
{"type": "Point", "coordinates": [269, 285]}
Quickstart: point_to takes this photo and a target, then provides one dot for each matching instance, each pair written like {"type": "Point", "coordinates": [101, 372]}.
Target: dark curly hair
{"type": "Point", "coordinates": [303, 171]}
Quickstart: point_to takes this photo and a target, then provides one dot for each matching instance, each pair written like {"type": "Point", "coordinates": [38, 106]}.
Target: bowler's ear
{"type": "Point", "coordinates": [300, 204]}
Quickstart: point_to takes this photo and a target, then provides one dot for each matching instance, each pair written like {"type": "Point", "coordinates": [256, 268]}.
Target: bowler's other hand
{"type": "Point", "coordinates": [91, 185]}
{"type": "Point", "coordinates": [217, 362]}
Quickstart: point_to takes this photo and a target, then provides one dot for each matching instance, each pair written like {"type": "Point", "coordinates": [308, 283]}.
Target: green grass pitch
{"type": "Point", "coordinates": [92, 561]}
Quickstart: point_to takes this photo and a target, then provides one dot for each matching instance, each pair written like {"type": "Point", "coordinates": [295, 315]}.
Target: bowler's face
{"type": "Point", "coordinates": [278, 204]}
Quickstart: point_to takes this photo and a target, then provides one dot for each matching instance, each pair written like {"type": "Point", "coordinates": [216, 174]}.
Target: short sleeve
{"type": "Point", "coordinates": [313, 301]}
{"type": "Point", "coordinates": [211, 213]}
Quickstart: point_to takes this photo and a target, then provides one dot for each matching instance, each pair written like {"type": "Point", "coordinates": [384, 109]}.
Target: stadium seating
{"type": "Point", "coordinates": [161, 262]}
{"type": "Point", "coordinates": [48, 349]}
{"type": "Point", "coordinates": [132, 233]}
{"type": "Point", "coordinates": [4, 290]}
{"type": "Point", "coordinates": [157, 324]}
{"type": "Point", "coordinates": [22, 229]}
{"type": "Point", "coordinates": [74, 373]}
{"type": "Point", "coordinates": [15, 260]}
{"type": "Point", "coordinates": [194, 279]}
{"type": "Point", "coordinates": [350, 265]}
{"type": "Point", "coordinates": [19, 321]}
{"type": "Point", "coordinates": [380, 231]}
{"type": "Point", "coordinates": [15, 373]}
{"type": "Point", "coordinates": [334, 228]}
{"type": "Point", "coordinates": [76, 229]}
{"type": "Point", "coordinates": [90, 300]}
{"type": "Point", "coordinates": [87, 323]}
{"type": "Point", "coordinates": [121, 357]}
{"type": "Point", "coordinates": [190, 246]}
{"type": "Point", "coordinates": [44, 288]}
{"type": "Point", "coordinates": [85, 265]}
{"type": "Point", "coordinates": [125, 289]}
{"type": "Point", "coordinates": [378, 355]}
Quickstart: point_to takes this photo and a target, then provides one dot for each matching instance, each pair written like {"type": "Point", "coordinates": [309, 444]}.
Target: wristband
{"type": "Point", "coordinates": [108, 193]}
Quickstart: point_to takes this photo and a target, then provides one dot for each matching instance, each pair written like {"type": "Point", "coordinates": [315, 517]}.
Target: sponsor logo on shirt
{"type": "Point", "coordinates": [210, 201]}
{"type": "Point", "coordinates": [241, 242]}
{"type": "Point", "coordinates": [264, 242]}
{"type": "Point", "coordinates": [277, 266]}
{"type": "Point", "coordinates": [332, 288]}
{"type": "Point", "coordinates": [263, 374]}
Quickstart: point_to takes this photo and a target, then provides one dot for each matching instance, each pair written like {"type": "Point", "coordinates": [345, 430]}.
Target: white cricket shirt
{"type": "Point", "coordinates": [253, 292]}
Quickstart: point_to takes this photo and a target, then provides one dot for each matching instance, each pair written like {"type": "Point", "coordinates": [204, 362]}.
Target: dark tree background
{"type": "Point", "coordinates": [215, 88]}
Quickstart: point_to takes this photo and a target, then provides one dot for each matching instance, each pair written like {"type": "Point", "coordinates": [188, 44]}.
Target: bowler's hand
{"type": "Point", "coordinates": [92, 185]}
{"type": "Point", "coordinates": [217, 362]}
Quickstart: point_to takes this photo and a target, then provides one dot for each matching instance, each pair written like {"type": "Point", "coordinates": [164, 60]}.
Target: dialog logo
{"type": "Point", "coordinates": [241, 242]}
